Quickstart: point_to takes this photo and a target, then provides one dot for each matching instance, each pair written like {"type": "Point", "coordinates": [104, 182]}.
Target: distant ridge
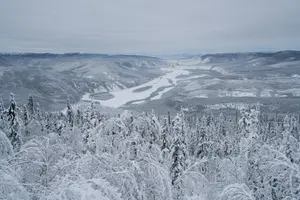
{"type": "Point", "coordinates": [286, 55]}
{"type": "Point", "coordinates": [74, 54]}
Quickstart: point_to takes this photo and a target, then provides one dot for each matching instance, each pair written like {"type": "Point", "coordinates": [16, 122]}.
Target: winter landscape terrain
{"type": "Point", "coordinates": [199, 82]}
{"type": "Point", "coordinates": [131, 127]}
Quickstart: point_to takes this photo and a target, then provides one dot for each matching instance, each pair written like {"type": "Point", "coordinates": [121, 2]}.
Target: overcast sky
{"type": "Point", "coordinates": [149, 26]}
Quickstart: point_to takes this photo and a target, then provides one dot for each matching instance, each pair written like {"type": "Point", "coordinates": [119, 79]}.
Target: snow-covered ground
{"type": "Point", "coordinates": [293, 91]}
{"type": "Point", "coordinates": [202, 96]}
{"type": "Point", "coordinates": [244, 93]}
{"type": "Point", "coordinates": [168, 80]}
{"type": "Point", "coordinates": [238, 106]}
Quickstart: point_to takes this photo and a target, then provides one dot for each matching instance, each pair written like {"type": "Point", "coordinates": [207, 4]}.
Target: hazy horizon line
{"type": "Point", "coordinates": [144, 53]}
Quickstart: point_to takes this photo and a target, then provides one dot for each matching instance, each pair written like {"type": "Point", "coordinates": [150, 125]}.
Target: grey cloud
{"type": "Point", "coordinates": [149, 26]}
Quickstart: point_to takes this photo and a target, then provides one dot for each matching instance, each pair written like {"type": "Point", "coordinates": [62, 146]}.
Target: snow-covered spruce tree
{"type": "Point", "coordinates": [165, 144]}
{"type": "Point", "coordinates": [6, 149]}
{"type": "Point", "coordinates": [194, 138]}
{"type": "Point", "coordinates": [1, 107]}
{"type": "Point", "coordinates": [270, 131]}
{"type": "Point", "coordinates": [94, 116]}
{"type": "Point", "coordinates": [87, 118]}
{"type": "Point", "coordinates": [38, 112]}
{"type": "Point", "coordinates": [49, 122]}
{"type": "Point", "coordinates": [295, 128]}
{"type": "Point", "coordinates": [30, 107]}
{"type": "Point", "coordinates": [141, 125]}
{"type": "Point", "coordinates": [273, 131]}
{"type": "Point", "coordinates": [14, 134]}
{"type": "Point", "coordinates": [25, 119]}
{"type": "Point", "coordinates": [25, 115]}
{"type": "Point", "coordinates": [249, 122]}
{"type": "Point", "coordinates": [212, 136]}
{"type": "Point", "coordinates": [105, 138]}
{"type": "Point", "coordinates": [290, 145]}
{"type": "Point", "coordinates": [70, 114]}
{"type": "Point", "coordinates": [79, 118]}
{"type": "Point", "coordinates": [249, 126]}
{"type": "Point", "coordinates": [178, 156]}
{"type": "Point", "coordinates": [154, 129]}
{"type": "Point", "coordinates": [41, 116]}
{"type": "Point", "coordinates": [286, 122]}
{"type": "Point", "coordinates": [59, 123]}
{"type": "Point", "coordinates": [178, 124]}
{"type": "Point", "coordinates": [201, 147]}
{"type": "Point", "coordinates": [135, 146]}
{"type": "Point", "coordinates": [177, 168]}
{"type": "Point", "coordinates": [232, 138]}
{"type": "Point", "coordinates": [227, 136]}
{"type": "Point", "coordinates": [221, 125]}
{"type": "Point", "coordinates": [250, 144]}
{"type": "Point", "coordinates": [3, 117]}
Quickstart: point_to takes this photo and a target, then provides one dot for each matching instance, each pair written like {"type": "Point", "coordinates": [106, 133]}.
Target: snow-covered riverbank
{"type": "Point", "coordinates": [168, 80]}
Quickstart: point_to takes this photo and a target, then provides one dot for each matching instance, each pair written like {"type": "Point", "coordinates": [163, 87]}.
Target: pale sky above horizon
{"type": "Point", "coordinates": [149, 26]}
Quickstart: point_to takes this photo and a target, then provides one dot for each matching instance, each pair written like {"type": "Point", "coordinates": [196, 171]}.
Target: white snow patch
{"type": "Point", "coordinates": [237, 94]}
{"type": "Point", "coordinates": [194, 77]}
{"type": "Point", "coordinates": [231, 105]}
{"type": "Point", "coordinates": [206, 60]}
{"type": "Point", "coordinates": [243, 94]}
{"type": "Point", "coordinates": [294, 91]}
{"type": "Point", "coordinates": [210, 82]}
{"type": "Point", "coordinates": [280, 95]}
{"type": "Point", "coordinates": [139, 102]}
{"type": "Point", "coordinates": [266, 93]}
{"type": "Point", "coordinates": [204, 67]}
{"type": "Point", "coordinates": [161, 93]}
{"type": "Point", "coordinates": [193, 86]}
{"type": "Point", "coordinates": [89, 76]}
{"type": "Point", "coordinates": [220, 70]}
{"type": "Point", "coordinates": [202, 96]}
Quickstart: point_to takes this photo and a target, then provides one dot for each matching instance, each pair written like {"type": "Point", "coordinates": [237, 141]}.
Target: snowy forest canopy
{"type": "Point", "coordinates": [84, 155]}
